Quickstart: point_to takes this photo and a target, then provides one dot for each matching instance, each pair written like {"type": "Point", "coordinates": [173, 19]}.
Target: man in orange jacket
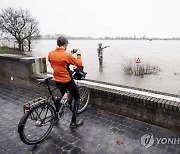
{"type": "Point", "coordinates": [60, 61]}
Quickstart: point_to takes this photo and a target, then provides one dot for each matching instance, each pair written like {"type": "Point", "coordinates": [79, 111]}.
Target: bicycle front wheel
{"type": "Point", "coordinates": [36, 124]}
{"type": "Point", "coordinates": [84, 93]}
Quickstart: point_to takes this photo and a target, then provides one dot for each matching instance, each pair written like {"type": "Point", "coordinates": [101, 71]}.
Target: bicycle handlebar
{"type": "Point", "coordinates": [78, 73]}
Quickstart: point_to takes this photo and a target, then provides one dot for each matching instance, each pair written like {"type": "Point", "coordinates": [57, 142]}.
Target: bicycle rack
{"type": "Point", "coordinates": [27, 106]}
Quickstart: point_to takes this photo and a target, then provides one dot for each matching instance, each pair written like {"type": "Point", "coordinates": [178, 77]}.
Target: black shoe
{"type": "Point", "coordinates": [76, 124]}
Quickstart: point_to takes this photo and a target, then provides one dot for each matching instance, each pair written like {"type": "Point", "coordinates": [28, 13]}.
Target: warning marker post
{"type": "Point", "coordinates": [138, 61]}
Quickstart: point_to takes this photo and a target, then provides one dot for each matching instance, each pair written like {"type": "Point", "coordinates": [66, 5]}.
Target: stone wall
{"type": "Point", "coordinates": [19, 69]}
{"type": "Point", "coordinates": [153, 107]}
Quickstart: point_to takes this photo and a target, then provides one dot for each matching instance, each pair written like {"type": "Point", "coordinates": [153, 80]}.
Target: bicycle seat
{"type": "Point", "coordinates": [44, 80]}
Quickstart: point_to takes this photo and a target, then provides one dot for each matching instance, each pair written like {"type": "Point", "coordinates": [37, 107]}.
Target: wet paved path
{"type": "Point", "coordinates": [102, 132]}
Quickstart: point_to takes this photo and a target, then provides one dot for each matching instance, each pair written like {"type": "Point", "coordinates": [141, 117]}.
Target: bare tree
{"type": "Point", "coordinates": [20, 25]}
{"type": "Point", "coordinates": [32, 32]}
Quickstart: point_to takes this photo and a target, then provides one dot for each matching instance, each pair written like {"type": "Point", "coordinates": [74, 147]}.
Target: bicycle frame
{"type": "Point", "coordinates": [50, 90]}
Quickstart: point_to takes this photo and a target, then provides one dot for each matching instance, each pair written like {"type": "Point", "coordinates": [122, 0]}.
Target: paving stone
{"type": "Point", "coordinates": [171, 150]}
{"type": "Point", "coordinates": [68, 147]}
{"type": "Point", "coordinates": [102, 132]}
{"type": "Point", "coordinates": [62, 144]}
{"type": "Point", "coordinates": [177, 151]}
{"type": "Point", "coordinates": [137, 151]}
{"type": "Point", "coordinates": [76, 150]}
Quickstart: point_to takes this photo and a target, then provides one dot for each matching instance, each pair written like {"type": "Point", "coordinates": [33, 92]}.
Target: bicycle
{"type": "Point", "coordinates": [39, 115]}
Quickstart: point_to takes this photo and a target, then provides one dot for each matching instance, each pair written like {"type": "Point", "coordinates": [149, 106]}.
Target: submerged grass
{"type": "Point", "coordinates": [132, 68]}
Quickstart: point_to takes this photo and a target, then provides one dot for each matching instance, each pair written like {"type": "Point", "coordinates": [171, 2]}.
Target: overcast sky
{"type": "Point", "coordinates": [100, 18]}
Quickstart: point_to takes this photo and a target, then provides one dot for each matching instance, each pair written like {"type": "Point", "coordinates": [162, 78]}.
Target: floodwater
{"type": "Point", "coordinates": [164, 54]}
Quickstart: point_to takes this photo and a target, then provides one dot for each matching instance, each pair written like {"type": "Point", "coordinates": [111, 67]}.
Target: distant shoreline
{"type": "Point", "coordinates": [54, 36]}
{"type": "Point", "coordinates": [84, 38]}
{"type": "Point", "coordinates": [165, 39]}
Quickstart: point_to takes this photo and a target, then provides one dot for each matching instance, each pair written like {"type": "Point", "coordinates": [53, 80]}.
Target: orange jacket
{"type": "Point", "coordinates": [60, 61]}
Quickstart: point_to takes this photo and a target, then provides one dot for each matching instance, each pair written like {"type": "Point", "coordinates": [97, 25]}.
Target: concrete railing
{"type": "Point", "coordinates": [154, 107]}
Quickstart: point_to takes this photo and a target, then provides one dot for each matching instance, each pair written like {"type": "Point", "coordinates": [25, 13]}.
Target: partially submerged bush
{"type": "Point", "coordinates": [139, 69]}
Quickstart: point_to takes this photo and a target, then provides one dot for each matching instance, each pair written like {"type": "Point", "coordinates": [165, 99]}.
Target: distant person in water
{"type": "Point", "coordinates": [100, 53]}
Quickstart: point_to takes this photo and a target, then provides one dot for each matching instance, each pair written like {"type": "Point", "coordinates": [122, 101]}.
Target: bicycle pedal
{"type": "Point", "coordinates": [68, 105]}
{"type": "Point", "coordinates": [60, 115]}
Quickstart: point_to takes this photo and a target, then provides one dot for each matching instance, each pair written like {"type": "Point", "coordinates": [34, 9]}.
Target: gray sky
{"type": "Point", "coordinates": [100, 18]}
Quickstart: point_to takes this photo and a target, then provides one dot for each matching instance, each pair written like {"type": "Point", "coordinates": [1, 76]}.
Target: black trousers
{"type": "Point", "coordinates": [72, 87]}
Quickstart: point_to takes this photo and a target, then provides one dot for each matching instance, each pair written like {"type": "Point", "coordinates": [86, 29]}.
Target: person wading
{"type": "Point", "coordinates": [100, 53]}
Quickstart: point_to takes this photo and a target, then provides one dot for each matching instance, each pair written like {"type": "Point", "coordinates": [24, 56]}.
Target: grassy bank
{"type": "Point", "coordinates": [7, 50]}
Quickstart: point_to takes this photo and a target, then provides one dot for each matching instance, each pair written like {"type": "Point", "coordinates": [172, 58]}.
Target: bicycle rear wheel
{"type": "Point", "coordinates": [36, 124]}
{"type": "Point", "coordinates": [84, 93]}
